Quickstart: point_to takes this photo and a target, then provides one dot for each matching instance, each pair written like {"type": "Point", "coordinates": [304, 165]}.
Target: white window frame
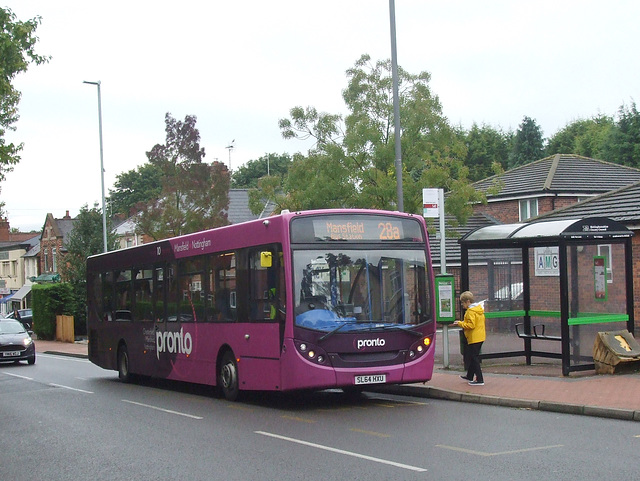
{"type": "Point", "coordinates": [528, 206]}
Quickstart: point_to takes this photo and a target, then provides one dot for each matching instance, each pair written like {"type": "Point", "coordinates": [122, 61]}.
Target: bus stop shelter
{"type": "Point", "coordinates": [553, 284]}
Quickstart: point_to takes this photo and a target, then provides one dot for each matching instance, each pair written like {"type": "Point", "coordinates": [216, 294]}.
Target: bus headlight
{"type": "Point", "coordinates": [311, 353]}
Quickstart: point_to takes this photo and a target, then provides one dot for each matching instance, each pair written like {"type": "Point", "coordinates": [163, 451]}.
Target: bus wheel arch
{"type": "Point", "coordinates": [123, 363]}
{"type": "Point", "coordinates": [228, 374]}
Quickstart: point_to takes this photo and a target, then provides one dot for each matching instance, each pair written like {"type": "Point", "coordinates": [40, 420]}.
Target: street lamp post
{"type": "Point", "coordinates": [104, 211]}
{"type": "Point", "coordinates": [396, 105]}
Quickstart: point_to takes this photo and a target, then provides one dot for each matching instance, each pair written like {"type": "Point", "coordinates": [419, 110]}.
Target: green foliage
{"type": "Point", "coordinates": [248, 175]}
{"type": "Point", "coordinates": [135, 188]}
{"type": "Point", "coordinates": [84, 240]}
{"type": "Point", "coordinates": [584, 137]}
{"type": "Point", "coordinates": [622, 145]}
{"type": "Point", "coordinates": [527, 145]}
{"type": "Point", "coordinates": [195, 195]}
{"type": "Point", "coordinates": [486, 147]}
{"type": "Point", "coordinates": [352, 163]}
{"type": "Point", "coordinates": [17, 51]}
{"type": "Point", "coordinates": [49, 301]}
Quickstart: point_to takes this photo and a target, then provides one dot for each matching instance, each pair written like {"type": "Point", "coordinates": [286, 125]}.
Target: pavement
{"type": "Point", "coordinates": [509, 383]}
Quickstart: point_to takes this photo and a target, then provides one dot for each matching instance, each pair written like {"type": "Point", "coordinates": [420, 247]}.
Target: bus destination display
{"type": "Point", "coordinates": [355, 228]}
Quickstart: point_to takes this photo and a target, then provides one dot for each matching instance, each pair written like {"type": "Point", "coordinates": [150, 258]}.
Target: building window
{"type": "Point", "coordinates": [54, 260]}
{"type": "Point", "coordinates": [528, 209]}
{"type": "Point", "coordinates": [604, 250]}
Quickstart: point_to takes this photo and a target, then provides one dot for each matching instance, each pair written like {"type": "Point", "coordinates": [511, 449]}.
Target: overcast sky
{"type": "Point", "coordinates": [240, 65]}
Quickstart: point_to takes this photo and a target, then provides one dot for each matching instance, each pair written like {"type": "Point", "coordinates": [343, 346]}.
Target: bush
{"type": "Point", "coordinates": [49, 301]}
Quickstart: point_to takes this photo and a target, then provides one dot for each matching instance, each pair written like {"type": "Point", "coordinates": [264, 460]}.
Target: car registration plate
{"type": "Point", "coordinates": [11, 353]}
{"type": "Point", "coordinates": [371, 379]}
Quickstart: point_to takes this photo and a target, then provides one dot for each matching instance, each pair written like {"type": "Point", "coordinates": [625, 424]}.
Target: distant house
{"type": "Point", "coordinates": [15, 286]}
{"type": "Point", "coordinates": [52, 245]}
{"type": "Point", "coordinates": [549, 184]}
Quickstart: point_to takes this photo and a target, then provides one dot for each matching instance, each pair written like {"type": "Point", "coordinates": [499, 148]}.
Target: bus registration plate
{"type": "Point", "coordinates": [371, 379]}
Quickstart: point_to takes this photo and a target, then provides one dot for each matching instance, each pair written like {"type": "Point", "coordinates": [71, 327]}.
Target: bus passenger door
{"type": "Point", "coordinates": [259, 367]}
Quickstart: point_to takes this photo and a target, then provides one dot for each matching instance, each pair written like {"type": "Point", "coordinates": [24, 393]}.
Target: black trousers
{"type": "Point", "coordinates": [473, 355]}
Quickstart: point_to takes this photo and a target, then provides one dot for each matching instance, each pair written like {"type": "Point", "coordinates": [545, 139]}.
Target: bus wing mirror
{"type": "Point", "coordinates": [266, 259]}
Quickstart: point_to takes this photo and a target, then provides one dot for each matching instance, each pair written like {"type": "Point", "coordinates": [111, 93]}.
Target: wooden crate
{"type": "Point", "coordinates": [615, 351]}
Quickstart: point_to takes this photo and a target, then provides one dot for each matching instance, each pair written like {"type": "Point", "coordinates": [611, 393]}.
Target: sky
{"type": "Point", "coordinates": [240, 66]}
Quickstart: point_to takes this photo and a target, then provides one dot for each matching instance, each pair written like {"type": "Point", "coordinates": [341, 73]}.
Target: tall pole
{"type": "Point", "coordinates": [396, 104]}
{"type": "Point", "coordinates": [104, 210]}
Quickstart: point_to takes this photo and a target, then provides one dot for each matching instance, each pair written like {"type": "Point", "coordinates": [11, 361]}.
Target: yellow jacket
{"type": "Point", "coordinates": [473, 324]}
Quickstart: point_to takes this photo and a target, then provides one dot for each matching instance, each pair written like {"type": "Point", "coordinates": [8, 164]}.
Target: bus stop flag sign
{"type": "Point", "coordinates": [430, 203]}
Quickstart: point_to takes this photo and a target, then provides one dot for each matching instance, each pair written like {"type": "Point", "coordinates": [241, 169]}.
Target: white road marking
{"type": "Point", "coordinates": [70, 388]}
{"type": "Point", "coordinates": [18, 375]}
{"type": "Point", "coordinates": [162, 409]}
{"type": "Point", "coordinates": [340, 451]}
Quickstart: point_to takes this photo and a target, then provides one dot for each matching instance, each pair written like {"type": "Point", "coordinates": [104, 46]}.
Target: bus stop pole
{"type": "Point", "coordinates": [443, 270]}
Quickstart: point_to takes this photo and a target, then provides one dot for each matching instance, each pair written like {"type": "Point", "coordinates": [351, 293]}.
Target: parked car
{"type": "Point", "coordinates": [25, 316]}
{"type": "Point", "coordinates": [16, 343]}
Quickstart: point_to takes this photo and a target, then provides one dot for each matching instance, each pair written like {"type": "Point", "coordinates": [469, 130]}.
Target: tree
{"type": "Point", "coordinates": [622, 145]}
{"type": "Point", "coordinates": [84, 240]}
{"type": "Point", "coordinates": [17, 51]}
{"type": "Point", "coordinates": [194, 195]}
{"type": "Point", "coordinates": [352, 163]}
{"type": "Point", "coordinates": [584, 137]}
{"type": "Point", "coordinates": [248, 175]}
{"type": "Point", "coordinates": [487, 151]}
{"type": "Point", "coordinates": [528, 144]}
{"type": "Point", "coordinates": [140, 185]}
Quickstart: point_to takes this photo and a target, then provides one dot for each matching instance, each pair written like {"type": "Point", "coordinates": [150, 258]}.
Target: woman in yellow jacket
{"type": "Point", "coordinates": [474, 331]}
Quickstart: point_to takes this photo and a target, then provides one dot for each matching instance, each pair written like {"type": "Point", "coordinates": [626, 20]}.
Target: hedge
{"type": "Point", "coordinates": [49, 301]}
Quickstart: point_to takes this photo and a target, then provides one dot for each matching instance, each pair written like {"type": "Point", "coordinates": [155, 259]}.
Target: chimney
{"type": "Point", "coordinates": [4, 229]}
{"type": "Point", "coordinates": [67, 216]}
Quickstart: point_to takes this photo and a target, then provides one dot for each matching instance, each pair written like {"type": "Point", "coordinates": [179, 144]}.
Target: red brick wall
{"type": "Point", "coordinates": [508, 211]}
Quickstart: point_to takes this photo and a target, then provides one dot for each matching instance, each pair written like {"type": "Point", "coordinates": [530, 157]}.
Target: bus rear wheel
{"type": "Point", "coordinates": [123, 364]}
{"type": "Point", "coordinates": [228, 377]}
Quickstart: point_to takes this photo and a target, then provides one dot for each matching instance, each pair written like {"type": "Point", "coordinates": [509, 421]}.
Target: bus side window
{"type": "Point", "coordinates": [265, 291]}
{"type": "Point", "coordinates": [221, 304]}
{"type": "Point", "coordinates": [158, 294]}
{"type": "Point", "coordinates": [142, 293]}
{"type": "Point", "coordinates": [123, 296]}
{"type": "Point", "coordinates": [107, 296]}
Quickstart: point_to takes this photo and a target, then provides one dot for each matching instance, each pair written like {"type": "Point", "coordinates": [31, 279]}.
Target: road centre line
{"type": "Point", "coordinates": [370, 433]}
{"type": "Point", "coordinates": [70, 388]}
{"type": "Point", "coordinates": [297, 418]}
{"type": "Point", "coordinates": [482, 453]}
{"type": "Point", "coordinates": [340, 451]}
{"type": "Point", "coordinates": [169, 411]}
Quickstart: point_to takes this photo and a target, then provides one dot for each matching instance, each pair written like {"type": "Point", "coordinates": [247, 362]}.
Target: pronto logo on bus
{"type": "Point", "coordinates": [364, 343]}
{"type": "Point", "coordinates": [173, 342]}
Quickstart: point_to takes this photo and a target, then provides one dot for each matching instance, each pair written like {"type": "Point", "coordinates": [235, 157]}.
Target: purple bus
{"type": "Point", "coordinates": [302, 300]}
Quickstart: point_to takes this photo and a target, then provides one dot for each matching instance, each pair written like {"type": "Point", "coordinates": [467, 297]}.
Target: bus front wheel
{"type": "Point", "coordinates": [123, 364]}
{"type": "Point", "coordinates": [228, 376]}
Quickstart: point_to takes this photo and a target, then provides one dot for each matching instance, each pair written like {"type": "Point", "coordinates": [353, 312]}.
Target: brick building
{"type": "Point", "coordinates": [52, 243]}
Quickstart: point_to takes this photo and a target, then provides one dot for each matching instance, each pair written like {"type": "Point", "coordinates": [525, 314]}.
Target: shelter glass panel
{"type": "Point", "coordinates": [595, 304]}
